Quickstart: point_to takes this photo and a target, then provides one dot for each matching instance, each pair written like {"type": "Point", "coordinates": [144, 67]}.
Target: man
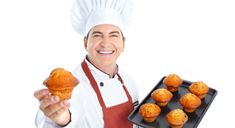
{"type": "Point", "coordinates": [105, 95]}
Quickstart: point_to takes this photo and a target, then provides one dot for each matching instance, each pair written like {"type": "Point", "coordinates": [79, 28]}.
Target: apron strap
{"type": "Point", "coordinates": [93, 82]}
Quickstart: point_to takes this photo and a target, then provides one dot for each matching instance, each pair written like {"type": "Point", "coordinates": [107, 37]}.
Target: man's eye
{"type": "Point", "coordinates": [114, 35]}
{"type": "Point", "coordinates": [97, 35]}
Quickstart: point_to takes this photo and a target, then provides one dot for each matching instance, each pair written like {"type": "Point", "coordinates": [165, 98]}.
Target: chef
{"type": "Point", "coordinates": [105, 95]}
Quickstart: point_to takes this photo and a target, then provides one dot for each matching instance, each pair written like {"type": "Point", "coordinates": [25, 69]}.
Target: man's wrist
{"type": "Point", "coordinates": [70, 119]}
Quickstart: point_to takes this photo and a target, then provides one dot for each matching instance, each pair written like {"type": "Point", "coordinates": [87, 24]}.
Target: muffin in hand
{"type": "Point", "coordinates": [149, 112]}
{"type": "Point", "coordinates": [172, 82]}
{"type": "Point", "coordinates": [61, 83]}
{"type": "Point", "coordinates": [190, 102]}
{"type": "Point", "coordinates": [176, 118]}
{"type": "Point", "coordinates": [161, 96]}
{"type": "Point", "coordinates": [199, 88]}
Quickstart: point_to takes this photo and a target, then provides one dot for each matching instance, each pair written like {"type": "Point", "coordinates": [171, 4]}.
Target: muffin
{"type": "Point", "coordinates": [172, 82]}
{"type": "Point", "coordinates": [149, 112]}
{"type": "Point", "coordinates": [61, 83]}
{"type": "Point", "coordinates": [161, 96]}
{"type": "Point", "coordinates": [176, 118]}
{"type": "Point", "coordinates": [199, 88]}
{"type": "Point", "coordinates": [190, 102]}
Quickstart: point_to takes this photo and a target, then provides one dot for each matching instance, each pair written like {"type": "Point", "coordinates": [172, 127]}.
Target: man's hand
{"type": "Point", "coordinates": [52, 107]}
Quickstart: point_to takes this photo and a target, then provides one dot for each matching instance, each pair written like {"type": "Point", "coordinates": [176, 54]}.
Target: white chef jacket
{"type": "Point", "coordinates": [85, 108]}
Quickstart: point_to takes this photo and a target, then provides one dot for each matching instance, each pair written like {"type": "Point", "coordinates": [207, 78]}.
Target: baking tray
{"type": "Point", "coordinates": [194, 118]}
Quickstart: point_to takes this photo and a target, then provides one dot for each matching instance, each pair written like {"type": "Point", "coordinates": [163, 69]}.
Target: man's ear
{"type": "Point", "coordinates": [85, 42]}
{"type": "Point", "coordinates": [124, 41]}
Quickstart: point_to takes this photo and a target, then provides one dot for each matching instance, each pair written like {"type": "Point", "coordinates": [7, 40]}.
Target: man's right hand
{"type": "Point", "coordinates": [52, 107]}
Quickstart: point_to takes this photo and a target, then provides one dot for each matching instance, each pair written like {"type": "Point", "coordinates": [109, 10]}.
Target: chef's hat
{"type": "Point", "coordinates": [86, 14]}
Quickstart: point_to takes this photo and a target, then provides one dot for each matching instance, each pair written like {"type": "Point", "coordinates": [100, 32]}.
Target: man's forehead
{"type": "Point", "coordinates": [106, 28]}
{"type": "Point", "coordinates": [101, 32]}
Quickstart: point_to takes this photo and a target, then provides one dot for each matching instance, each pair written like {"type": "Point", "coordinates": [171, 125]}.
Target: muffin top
{"type": "Point", "coordinates": [176, 117]}
{"type": "Point", "coordinates": [60, 78]}
{"type": "Point", "coordinates": [172, 80]}
{"type": "Point", "coordinates": [161, 95]}
{"type": "Point", "coordinates": [198, 88]}
{"type": "Point", "coordinates": [190, 100]}
{"type": "Point", "coordinates": [149, 110]}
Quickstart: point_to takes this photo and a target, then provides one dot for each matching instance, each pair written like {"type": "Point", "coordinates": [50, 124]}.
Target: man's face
{"type": "Point", "coordinates": [104, 44]}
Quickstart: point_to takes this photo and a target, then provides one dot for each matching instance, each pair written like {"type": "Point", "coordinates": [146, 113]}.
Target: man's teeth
{"type": "Point", "coordinates": [106, 52]}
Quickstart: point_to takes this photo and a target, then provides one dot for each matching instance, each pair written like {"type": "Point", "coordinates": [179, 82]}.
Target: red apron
{"type": "Point", "coordinates": [115, 116]}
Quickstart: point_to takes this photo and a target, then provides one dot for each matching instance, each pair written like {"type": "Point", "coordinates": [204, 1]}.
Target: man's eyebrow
{"type": "Point", "coordinates": [96, 32]}
{"type": "Point", "coordinates": [113, 32]}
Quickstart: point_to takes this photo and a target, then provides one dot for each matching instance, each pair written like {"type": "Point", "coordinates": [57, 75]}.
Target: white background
{"type": "Point", "coordinates": [194, 39]}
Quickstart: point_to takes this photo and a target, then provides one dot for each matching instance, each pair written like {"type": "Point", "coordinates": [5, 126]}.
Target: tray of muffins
{"type": "Point", "coordinates": [174, 103]}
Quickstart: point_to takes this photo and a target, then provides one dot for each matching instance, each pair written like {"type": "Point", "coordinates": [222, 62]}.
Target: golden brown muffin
{"type": "Point", "coordinates": [199, 88]}
{"type": "Point", "coordinates": [190, 102]}
{"type": "Point", "coordinates": [161, 96]}
{"type": "Point", "coordinates": [176, 118]}
{"type": "Point", "coordinates": [172, 82]}
{"type": "Point", "coordinates": [61, 83]}
{"type": "Point", "coordinates": [149, 112]}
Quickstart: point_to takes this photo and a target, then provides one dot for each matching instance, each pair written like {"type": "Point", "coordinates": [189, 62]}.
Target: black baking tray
{"type": "Point", "coordinates": [193, 118]}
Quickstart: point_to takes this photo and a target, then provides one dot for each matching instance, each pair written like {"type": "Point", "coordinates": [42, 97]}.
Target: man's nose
{"type": "Point", "coordinates": [105, 41]}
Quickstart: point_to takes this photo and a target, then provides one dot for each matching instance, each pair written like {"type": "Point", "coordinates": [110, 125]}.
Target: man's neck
{"type": "Point", "coordinates": [110, 70]}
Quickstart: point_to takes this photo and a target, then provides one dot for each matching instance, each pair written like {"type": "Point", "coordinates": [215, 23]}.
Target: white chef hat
{"type": "Point", "coordinates": [86, 14]}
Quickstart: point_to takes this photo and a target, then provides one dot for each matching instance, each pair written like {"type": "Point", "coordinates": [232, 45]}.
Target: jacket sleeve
{"type": "Point", "coordinates": [41, 121]}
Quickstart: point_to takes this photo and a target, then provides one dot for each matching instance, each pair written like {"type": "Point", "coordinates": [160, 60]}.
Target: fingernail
{"type": "Point", "coordinates": [56, 98]}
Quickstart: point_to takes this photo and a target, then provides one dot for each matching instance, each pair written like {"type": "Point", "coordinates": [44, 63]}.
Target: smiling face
{"type": "Point", "coordinates": [104, 44]}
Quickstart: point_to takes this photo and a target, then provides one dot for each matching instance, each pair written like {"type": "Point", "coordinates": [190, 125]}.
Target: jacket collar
{"type": "Point", "coordinates": [97, 73]}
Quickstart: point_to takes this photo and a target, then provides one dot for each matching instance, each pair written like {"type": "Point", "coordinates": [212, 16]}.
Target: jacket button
{"type": "Point", "coordinates": [101, 84]}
